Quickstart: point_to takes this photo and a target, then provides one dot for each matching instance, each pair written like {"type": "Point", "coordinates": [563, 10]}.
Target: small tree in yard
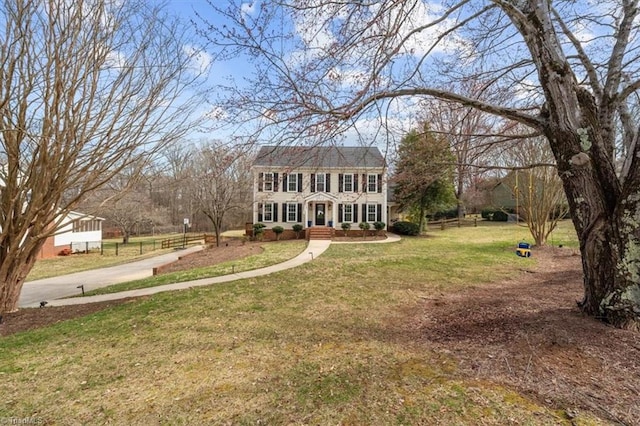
{"type": "Point", "coordinates": [379, 226]}
{"type": "Point", "coordinates": [365, 226]}
{"type": "Point", "coordinates": [346, 226]}
{"type": "Point", "coordinates": [297, 228]}
{"type": "Point", "coordinates": [278, 230]}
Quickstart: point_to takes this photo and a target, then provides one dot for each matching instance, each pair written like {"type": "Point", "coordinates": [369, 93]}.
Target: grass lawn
{"type": "Point", "coordinates": [318, 344]}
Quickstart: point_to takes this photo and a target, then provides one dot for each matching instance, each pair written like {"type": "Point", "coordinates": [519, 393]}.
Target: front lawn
{"type": "Point", "coordinates": [334, 341]}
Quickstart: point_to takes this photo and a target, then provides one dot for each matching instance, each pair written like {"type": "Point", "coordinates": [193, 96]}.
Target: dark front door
{"type": "Point", "coordinates": [320, 213]}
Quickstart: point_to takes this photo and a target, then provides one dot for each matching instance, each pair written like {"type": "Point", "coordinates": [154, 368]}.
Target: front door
{"type": "Point", "coordinates": [320, 213]}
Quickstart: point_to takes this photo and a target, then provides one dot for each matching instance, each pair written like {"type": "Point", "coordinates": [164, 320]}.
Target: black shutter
{"type": "Point", "coordinates": [285, 182]}
{"type": "Point", "coordinates": [275, 182]}
{"type": "Point", "coordinates": [379, 183]}
{"type": "Point", "coordinates": [299, 182]}
{"type": "Point", "coordinates": [260, 212]}
{"type": "Point", "coordinates": [299, 212]}
{"type": "Point", "coordinates": [354, 207]}
{"type": "Point", "coordinates": [364, 213]}
{"type": "Point", "coordinates": [327, 181]}
{"type": "Point", "coordinates": [365, 183]}
{"type": "Point", "coordinates": [260, 181]}
{"type": "Point", "coordinates": [379, 213]}
{"type": "Point", "coordinates": [355, 182]}
{"type": "Point", "coordinates": [275, 212]}
{"type": "Point", "coordinates": [340, 213]}
{"type": "Point", "coordinates": [313, 182]}
{"type": "Point", "coordinates": [340, 182]}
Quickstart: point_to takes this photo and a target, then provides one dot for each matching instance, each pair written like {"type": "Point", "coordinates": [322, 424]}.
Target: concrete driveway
{"type": "Point", "coordinates": [33, 292]}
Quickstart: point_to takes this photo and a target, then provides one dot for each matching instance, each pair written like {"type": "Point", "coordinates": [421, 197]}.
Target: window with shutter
{"type": "Point", "coordinates": [268, 182]}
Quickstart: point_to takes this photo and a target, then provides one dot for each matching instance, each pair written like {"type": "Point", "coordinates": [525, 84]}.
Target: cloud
{"type": "Point", "coordinates": [248, 8]}
{"type": "Point", "coordinates": [199, 61]}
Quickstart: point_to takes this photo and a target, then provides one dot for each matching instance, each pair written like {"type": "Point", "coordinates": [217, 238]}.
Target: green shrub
{"type": "Point", "coordinates": [345, 227]}
{"type": "Point", "coordinates": [365, 226]}
{"type": "Point", "coordinates": [258, 230]}
{"type": "Point", "coordinates": [406, 228]}
{"type": "Point", "coordinates": [444, 214]}
{"type": "Point", "coordinates": [277, 230]}
{"type": "Point", "coordinates": [297, 228]}
{"type": "Point", "coordinates": [379, 226]}
{"type": "Point", "coordinates": [496, 215]}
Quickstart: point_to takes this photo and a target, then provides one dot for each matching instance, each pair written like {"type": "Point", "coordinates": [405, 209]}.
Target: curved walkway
{"type": "Point", "coordinates": [67, 285]}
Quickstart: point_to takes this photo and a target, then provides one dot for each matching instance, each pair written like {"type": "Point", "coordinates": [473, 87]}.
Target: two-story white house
{"type": "Point", "coordinates": [319, 186]}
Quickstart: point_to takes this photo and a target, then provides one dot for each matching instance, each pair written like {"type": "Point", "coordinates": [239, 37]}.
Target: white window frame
{"type": "Point", "coordinates": [347, 213]}
{"type": "Point", "coordinates": [264, 212]}
{"type": "Point", "coordinates": [320, 182]}
{"type": "Point", "coordinates": [267, 181]}
{"type": "Point", "coordinates": [344, 182]}
{"type": "Point", "coordinates": [372, 186]}
{"type": "Point", "coordinates": [292, 184]}
{"type": "Point", "coordinates": [374, 212]}
{"type": "Point", "coordinates": [292, 208]}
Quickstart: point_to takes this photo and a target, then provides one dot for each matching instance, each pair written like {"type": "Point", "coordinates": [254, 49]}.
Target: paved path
{"type": "Point", "coordinates": [314, 249]}
{"type": "Point", "coordinates": [33, 292]}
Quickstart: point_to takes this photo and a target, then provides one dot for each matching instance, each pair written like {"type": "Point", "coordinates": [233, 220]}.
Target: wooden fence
{"type": "Point", "coordinates": [455, 222]}
{"type": "Point", "coordinates": [183, 241]}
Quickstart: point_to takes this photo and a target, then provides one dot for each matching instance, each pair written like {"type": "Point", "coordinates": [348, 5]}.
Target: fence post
{"type": "Point", "coordinates": [86, 247]}
{"type": "Point", "coordinates": [141, 247]}
{"type": "Point", "coordinates": [117, 249]}
{"type": "Point", "coordinates": [475, 222]}
{"type": "Point", "coordinates": [101, 248]}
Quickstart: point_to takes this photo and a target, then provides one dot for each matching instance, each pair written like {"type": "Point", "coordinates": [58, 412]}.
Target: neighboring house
{"type": "Point", "coordinates": [77, 232]}
{"type": "Point", "coordinates": [319, 186]}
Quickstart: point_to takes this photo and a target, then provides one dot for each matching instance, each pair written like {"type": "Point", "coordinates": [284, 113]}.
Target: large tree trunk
{"type": "Point", "coordinates": [604, 210]}
{"type": "Point", "coordinates": [13, 273]}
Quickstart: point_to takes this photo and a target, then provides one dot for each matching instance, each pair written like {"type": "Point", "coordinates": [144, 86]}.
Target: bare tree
{"type": "Point", "coordinates": [536, 186]}
{"type": "Point", "coordinates": [221, 183]}
{"type": "Point", "coordinates": [572, 71]}
{"type": "Point", "coordinates": [473, 136]}
{"type": "Point", "coordinates": [86, 90]}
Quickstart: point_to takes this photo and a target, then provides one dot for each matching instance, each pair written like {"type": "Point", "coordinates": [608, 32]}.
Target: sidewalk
{"type": "Point", "coordinates": [53, 289]}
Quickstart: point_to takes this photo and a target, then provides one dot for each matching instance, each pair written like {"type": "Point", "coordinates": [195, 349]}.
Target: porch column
{"type": "Point", "coordinates": [305, 214]}
{"type": "Point", "coordinates": [334, 213]}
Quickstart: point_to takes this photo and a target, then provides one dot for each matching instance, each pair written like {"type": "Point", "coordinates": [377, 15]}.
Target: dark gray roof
{"type": "Point", "coordinates": [319, 157]}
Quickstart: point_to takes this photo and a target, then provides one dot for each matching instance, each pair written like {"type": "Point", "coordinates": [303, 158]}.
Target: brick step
{"type": "Point", "coordinates": [320, 233]}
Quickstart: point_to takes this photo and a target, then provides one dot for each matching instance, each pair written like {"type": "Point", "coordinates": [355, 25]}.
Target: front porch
{"type": "Point", "coordinates": [320, 210]}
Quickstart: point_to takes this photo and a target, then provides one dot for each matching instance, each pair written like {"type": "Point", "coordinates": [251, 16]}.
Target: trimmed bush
{"type": "Point", "coordinates": [406, 228]}
{"type": "Point", "coordinates": [379, 226]}
{"type": "Point", "coordinates": [258, 230]}
{"type": "Point", "coordinates": [277, 230]}
{"type": "Point", "coordinates": [297, 228]}
{"type": "Point", "coordinates": [365, 226]}
{"type": "Point", "coordinates": [345, 227]}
